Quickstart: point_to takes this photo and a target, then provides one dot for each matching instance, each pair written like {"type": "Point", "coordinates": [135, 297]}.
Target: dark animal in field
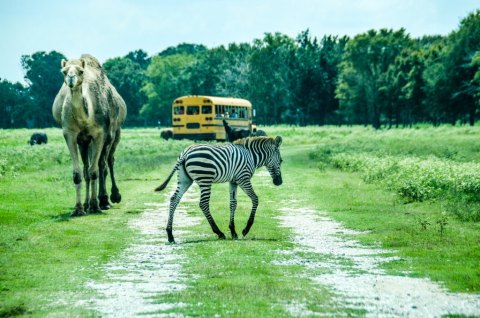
{"type": "Point", "coordinates": [235, 133]}
{"type": "Point", "coordinates": [38, 138]}
{"type": "Point", "coordinates": [166, 134]}
{"type": "Point", "coordinates": [218, 163]}
{"type": "Point", "coordinates": [258, 133]}
{"type": "Point", "coordinates": [91, 113]}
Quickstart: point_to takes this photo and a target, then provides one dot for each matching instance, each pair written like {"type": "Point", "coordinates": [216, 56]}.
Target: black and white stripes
{"type": "Point", "coordinates": [234, 163]}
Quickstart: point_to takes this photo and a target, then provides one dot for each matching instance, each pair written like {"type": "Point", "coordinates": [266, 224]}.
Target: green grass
{"type": "Point", "coordinates": [45, 254]}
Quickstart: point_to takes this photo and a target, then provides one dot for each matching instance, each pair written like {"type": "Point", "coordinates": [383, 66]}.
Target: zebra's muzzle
{"type": "Point", "coordinates": [277, 180]}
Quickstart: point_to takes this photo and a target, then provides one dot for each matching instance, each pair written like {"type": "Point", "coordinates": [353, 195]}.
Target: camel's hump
{"type": "Point", "coordinates": [90, 60]}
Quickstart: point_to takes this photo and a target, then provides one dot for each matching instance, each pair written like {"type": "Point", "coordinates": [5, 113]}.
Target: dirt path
{"type": "Point", "coordinates": [352, 271]}
{"type": "Point", "coordinates": [147, 268]}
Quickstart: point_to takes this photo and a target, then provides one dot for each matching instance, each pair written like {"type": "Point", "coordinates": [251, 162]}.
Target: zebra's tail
{"type": "Point", "coordinates": [175, 168]}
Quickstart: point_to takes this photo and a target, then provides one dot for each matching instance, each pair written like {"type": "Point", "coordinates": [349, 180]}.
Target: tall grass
{"type": "Point", "coordinates": [421, 179]}
{"type": "Point", "coordinates": [418, 164]}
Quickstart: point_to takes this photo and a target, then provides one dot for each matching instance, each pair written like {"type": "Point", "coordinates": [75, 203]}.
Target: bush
{"type": "Point", "coordinates": [416, 179]}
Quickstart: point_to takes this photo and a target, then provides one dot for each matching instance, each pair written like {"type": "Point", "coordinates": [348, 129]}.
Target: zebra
{"type": "Point", "coordinates": [218, 163]}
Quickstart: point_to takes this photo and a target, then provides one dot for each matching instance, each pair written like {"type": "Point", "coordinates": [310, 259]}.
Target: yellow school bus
{"type": "Point", "coordinates": [201, 117]}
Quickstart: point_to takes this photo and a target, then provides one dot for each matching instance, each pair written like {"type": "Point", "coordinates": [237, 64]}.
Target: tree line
{"type": "Point", "coordinates": [380, 78]}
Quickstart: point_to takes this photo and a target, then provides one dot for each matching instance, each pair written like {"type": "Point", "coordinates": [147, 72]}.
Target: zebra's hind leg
{"type": "Point", "coordinates": [205, 206]}
{"type": "Point", "coordinates": [184, 182]}
{"type": "Point", "coordinates": [248, 189]}
{"type": "Point", "coordinates": [233, 206]}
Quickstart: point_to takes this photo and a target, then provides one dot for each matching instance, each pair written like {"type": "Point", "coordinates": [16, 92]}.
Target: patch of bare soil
{"type": "Point", "coordinates": [147, 268]}
{"type": "Point", "coordinates": [352, 272]}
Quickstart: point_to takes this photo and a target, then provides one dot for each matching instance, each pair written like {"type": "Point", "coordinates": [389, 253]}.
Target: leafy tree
{"type": "Point", "coordinates": [461, 68]}
{"type": "Point", "coordinates": [316, 72]}
{"type": "Point", "coordinates": [167, 79]}
{"type": "Point", "coordinates": [14, 104]}
{"type": "Point", "coordinates": [271, 78]}
{"type": "Point", "coordinates": [207, 70]}
{"type": "Point", "coordinates": [44, 79]}
{"type": "Point", "coordinates": [476, 78]}
{"type": "Point", "coordinates": [404, 89]}
{"type": "Point", "coordinates": [184, 48]}
{"type": "Point", "coordinates": [221, 71]}
{"type": "Point", "coordinates": [139, 57]}
{"type": "Point", "coordinates": [128, 77]}
{"type": "Point", "coordinates": [364, 70]}
{"type": "Point", "coordinates": [233, 80]}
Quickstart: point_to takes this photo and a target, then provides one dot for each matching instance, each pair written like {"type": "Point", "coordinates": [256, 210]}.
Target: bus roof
{"type": "Point", "coordinates": [230, 101]}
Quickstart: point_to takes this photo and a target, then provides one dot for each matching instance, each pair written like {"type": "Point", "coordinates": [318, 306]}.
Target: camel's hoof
{"type": "Point", "coordinates": [78, 211]}
{"type": "Point", "coordinates": [95, 210]}
{"type": "Point", "coordinates": [103, 202]}
{"type": "Point", "coordinates": [105, 207]}
{"type": "Point", "coordinates": [116, 197]}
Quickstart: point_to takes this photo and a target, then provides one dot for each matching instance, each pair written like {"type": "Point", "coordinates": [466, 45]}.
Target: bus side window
{"type": "Point", "coordinates": [206, 109]}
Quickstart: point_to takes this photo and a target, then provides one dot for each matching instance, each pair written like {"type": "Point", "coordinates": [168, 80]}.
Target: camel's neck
{"type": "Point", "coordinates": [78, 104]}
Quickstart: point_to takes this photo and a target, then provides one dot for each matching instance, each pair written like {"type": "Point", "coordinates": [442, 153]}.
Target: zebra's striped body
{"type": "Point", "coordinates": [233, 163]}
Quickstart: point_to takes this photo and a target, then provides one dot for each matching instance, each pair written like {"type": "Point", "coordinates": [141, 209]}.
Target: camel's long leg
{"type": "Point", "coordinates": [71, 140]}
{"type": "Point", "coordinates": [84, 154]}
{"type": "Point", "coordinates": [115, 194]}
{"type": "Point", "coordinates": [97, 146]}
{"type": "Point", "coordinates": [102, 166]}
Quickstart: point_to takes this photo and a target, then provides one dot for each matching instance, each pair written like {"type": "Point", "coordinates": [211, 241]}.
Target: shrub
{"type": "Point", "coordinates": [416, 179]}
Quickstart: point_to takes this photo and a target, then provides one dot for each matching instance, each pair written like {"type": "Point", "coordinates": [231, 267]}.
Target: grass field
{"type": "Point", "coordinates": [414, 190]}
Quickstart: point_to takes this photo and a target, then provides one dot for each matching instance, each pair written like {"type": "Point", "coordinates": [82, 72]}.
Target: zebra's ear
{"type": "Point", "coordinates": [278, 141]}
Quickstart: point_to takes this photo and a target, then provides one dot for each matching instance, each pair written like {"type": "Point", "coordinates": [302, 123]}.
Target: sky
{"type": "Point", "coordinates": [112, 28]}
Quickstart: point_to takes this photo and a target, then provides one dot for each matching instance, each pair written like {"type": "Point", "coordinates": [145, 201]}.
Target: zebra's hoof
{"type": "Point", "coordinates": [234, 236]}
{"type": "Point", "coordinates": [221, 236]}
{"type": "Point", "coordinates": [244, 232]}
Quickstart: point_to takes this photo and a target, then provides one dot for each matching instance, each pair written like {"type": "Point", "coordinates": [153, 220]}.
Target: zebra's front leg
{"type": "Point", "coordinates": [233, 206]}
{"type": "Point", "coordinates": [248, 189]}
{"type": "Point", "coordinates": [205, 206]}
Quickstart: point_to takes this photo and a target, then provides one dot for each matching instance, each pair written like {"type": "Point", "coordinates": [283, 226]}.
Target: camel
{"type": "Point", "coordinates": [91, 113]}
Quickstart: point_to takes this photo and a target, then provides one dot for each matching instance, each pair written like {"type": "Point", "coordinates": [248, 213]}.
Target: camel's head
{"type": "Point", "coordinates": [73, 72]}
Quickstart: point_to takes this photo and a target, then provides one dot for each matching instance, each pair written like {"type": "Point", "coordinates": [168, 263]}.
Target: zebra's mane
{"type": "Point", "coordinates": [254, 140]}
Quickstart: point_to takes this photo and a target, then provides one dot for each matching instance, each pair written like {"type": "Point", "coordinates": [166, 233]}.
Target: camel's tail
{"type": "Point", "coordinates": [175, 168]}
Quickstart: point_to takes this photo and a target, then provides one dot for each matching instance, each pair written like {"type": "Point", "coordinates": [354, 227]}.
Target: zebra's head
{"type": "Point", "coordinates": [274, 162]}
